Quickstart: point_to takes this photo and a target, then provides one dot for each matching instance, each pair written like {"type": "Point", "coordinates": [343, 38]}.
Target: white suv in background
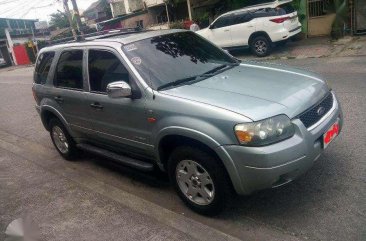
{"type": "Point", "coordinates": [256, 26]}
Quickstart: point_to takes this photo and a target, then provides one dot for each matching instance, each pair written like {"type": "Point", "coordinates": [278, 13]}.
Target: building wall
{"type": "Point", "coordinates": [146, 18]}
{"type": "Point", "coordinates": [151, 3]}
{"type": "Point", "coordinates": [118, 8]}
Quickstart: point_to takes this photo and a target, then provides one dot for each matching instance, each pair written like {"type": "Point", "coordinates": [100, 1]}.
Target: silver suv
{"type": "Point", "coordinates": [174, 101]}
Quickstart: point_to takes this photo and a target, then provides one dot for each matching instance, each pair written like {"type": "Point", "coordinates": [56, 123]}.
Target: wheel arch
{"type": "Point", "coordinates": [175, 137]}
{"type": "Point", "coordinates": [49, 112]}
{"type": "Point", "coordinates": [259, 33]}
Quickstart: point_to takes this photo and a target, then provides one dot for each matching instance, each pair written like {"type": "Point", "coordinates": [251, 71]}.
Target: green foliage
{"type": "Point", "coordinates": [176, 25]}
{"type": "Point", "coordinates": [59, 20]}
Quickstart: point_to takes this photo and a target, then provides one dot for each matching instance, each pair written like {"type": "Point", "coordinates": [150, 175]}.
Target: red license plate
{"type": "Point", "coordinates": [331, 134]}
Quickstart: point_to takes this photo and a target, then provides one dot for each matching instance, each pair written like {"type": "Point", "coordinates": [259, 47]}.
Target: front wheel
{"type": "Point", "coordinates": [260, 46]}
{"type": "Point", "coordinates": [199, 180]}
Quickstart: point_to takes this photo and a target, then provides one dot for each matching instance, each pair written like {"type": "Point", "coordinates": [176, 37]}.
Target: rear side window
{"type": "Point", "coordinates": [285, 9]}
{"type": "Point", "coordinates": [224, 21]}
{"type": "Point", "coordinates": [43, 66]}
{"type": "Point", "coordinates": [69, 71]}
{"type": "Point", "coordinates": [278, 11]}
{"type": "Point", "coordinates": [104, 67]}
{"type": "Point", "coordinates": [242, 18]}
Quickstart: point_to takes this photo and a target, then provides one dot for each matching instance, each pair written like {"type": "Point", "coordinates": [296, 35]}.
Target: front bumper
{"type": "Point", "coordinates": [256, 168]}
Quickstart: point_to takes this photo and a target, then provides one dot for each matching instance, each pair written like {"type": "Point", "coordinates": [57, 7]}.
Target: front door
{"type": "Point", "coordinates": [116, 121]}
{"type": "Point", "coordinates": [220, 31]}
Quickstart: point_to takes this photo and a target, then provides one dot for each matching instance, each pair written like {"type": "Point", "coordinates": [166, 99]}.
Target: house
{"type": "Point", "coordinates": [137, 13]}
{"type": "Point", "coordinates": [97, 12]}
{"type": "Point", "coordinates": [19, 31]}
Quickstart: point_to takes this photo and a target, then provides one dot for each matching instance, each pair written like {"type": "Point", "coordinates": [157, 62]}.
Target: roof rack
{"type": "Point", "coordinates": [97, 35]}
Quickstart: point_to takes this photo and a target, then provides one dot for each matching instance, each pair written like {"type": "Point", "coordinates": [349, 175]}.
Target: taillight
{"type": "Point", "coordinates": [279, 20]}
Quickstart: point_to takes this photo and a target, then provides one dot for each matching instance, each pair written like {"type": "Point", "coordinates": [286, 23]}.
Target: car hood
{"type": "Point", "coordinates": [257, 91]}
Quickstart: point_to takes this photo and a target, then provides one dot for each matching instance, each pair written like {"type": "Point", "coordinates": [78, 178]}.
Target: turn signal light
{"type": "Point", "coordinates": [243, 136]}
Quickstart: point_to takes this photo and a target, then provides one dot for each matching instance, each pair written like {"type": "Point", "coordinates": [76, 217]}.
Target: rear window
{"type": "Point", "coordinates": [278, 11]}
{"type": "Point", "coordinates": [285, 9]}
{"type": "Point", "coordinates": [43, 66]}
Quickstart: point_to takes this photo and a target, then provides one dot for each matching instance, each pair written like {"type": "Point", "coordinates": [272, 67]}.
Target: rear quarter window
{"type": "Point", "coordinates": [285, 9]}
{"type": "Point", "coordinates": [43, 67]}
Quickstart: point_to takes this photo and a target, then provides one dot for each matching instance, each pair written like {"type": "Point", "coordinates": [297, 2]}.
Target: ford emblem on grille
{"type": "Point", "coordinates": [320, 111]}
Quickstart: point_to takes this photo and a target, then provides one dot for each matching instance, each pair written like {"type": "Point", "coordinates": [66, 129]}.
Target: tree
{"type": "Point", "coordinates": [59, 20]}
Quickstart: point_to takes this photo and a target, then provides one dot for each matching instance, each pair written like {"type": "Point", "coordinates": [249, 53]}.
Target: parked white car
{"type": "Point", "coordinates": [2, 62]}
{"type": "Point", "coordinates": [256, 26]}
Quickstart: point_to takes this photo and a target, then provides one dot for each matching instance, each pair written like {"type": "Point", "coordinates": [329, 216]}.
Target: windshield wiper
{"type": "Point", "coordinates": [177, 82]}
{"type": "Point", "coordinates": [200, 77]}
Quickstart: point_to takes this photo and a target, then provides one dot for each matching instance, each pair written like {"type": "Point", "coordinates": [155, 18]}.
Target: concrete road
{"type": "Point", "coordinates": [94, 199]}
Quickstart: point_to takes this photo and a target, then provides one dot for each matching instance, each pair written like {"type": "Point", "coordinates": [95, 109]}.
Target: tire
{"type": "Point", "coordinates": [261, 46]}
{"type": "Point", "coordinates": [62, 140]}
{"type": "Point", "coordinates": [215, 187]}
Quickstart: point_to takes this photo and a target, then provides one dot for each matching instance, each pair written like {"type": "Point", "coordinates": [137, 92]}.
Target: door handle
{"type": "Point", "coordinates": [226, 30]}
{"type": "Point", "coordinates": [59, 99]}
{"type": "Point", "coordinates": [96, 106]}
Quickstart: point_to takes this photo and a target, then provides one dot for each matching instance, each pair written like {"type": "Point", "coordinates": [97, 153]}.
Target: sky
{"type": "Point", "coordinates": [36, 9]}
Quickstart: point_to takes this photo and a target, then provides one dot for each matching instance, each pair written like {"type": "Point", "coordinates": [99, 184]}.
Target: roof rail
{"type": "Point", "coordinates": [97, 35]}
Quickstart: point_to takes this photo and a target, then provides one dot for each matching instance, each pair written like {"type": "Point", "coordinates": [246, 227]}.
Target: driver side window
{"type": "Point", "coordinates": [105, 67]}
{"type": "Point", "coordinates": [223, 21]}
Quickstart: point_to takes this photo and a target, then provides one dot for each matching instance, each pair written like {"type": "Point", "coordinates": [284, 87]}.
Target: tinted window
{"type": "Point", "coordinates": [104, 68]}
{"type": "Point", "coordinates": [265, 12]}
{"type": "Point", "coordinates": [223, 21]}
{"type": "Point", "coordinates": [163, 59]}
{"type": "Point", "coordinates": [242, 18]}
{"type": "Point", "coordinates": [43, 66]}
{"type": "Point", "coordinates": [285, 9]}
{"type": "Point", "coordinates": [69, 72]}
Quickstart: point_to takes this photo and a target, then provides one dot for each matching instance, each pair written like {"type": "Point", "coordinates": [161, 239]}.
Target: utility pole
{"type": "Point", "coordinates": [77, 16]}
{"type": "Point", "coordinates": [167, 13]}
{"type": "Point", "coordinates": [10, 46]}
{"type": "Point", "coordinates": [68, 15]}
{"type": "Point", "coordinates": [189, 9]}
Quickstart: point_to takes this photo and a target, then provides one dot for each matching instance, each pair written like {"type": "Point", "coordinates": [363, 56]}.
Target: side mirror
{"type": "Point", "coordinates": [211, 26]}
{"type": "Point", "coordinates": [119, 89]}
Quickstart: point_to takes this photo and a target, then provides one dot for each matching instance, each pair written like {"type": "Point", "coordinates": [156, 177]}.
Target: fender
{"type": "Point", "coordinates": [54, 111]}
{"type": "Point", "coordinates": [208, 141]}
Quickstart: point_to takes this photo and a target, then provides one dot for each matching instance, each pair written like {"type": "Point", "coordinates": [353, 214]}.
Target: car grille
{"type": "Point", "coordinates": [315, 113]}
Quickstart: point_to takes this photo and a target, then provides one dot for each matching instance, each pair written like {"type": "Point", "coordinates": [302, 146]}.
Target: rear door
{"type": "Point", "coordinates": [220, 31]}
{"type": "Point", "coordinates": [243, 26]}
{"type": "Point", "coordinates": [68, 91]}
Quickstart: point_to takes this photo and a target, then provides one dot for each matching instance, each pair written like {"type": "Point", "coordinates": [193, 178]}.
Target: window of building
{"type": "Point", "coordinates": [104, 67]}
{"type": "Point", "coordinates": [43, 66]}
{"type": "Point", "coordinates": [69, 71]}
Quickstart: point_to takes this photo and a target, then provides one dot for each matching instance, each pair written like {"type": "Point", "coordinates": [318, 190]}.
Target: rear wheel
{"type": "Point", "coordinates": [62, 140]}
{"type": "Point", "coordinates": [260, 46]}
{"type": "Point", "coordinates": [199, 180]}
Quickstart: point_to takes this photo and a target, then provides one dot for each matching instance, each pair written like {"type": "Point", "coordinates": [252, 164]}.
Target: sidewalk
{"type": "Point", "coordinates": [11, 68]}
{"type": "Point", "coordinates": [319, 47]}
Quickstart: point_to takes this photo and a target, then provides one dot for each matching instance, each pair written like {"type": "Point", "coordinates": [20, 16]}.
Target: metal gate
{"type": "Point", "coordinates": [360, 16]}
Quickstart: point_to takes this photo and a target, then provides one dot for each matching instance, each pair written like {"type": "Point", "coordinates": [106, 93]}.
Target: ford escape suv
{"type": "Point", "coordinates": [172, 100]}
{"type": "Point", "coordinates": [259, 27]}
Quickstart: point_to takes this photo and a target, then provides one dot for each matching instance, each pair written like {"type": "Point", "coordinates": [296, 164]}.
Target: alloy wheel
{"type": "Point", "coordinates": [195, 182]}
{"type": "Point", "coordinates": [60, 139]}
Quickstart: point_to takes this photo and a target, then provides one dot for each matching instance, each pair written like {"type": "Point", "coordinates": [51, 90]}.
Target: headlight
{"type": "Point", "coordinates": [265, 132]}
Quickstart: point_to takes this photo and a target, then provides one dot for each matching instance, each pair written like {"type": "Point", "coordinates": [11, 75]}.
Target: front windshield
{"type": "Point", "coordinates": [172, 57]}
